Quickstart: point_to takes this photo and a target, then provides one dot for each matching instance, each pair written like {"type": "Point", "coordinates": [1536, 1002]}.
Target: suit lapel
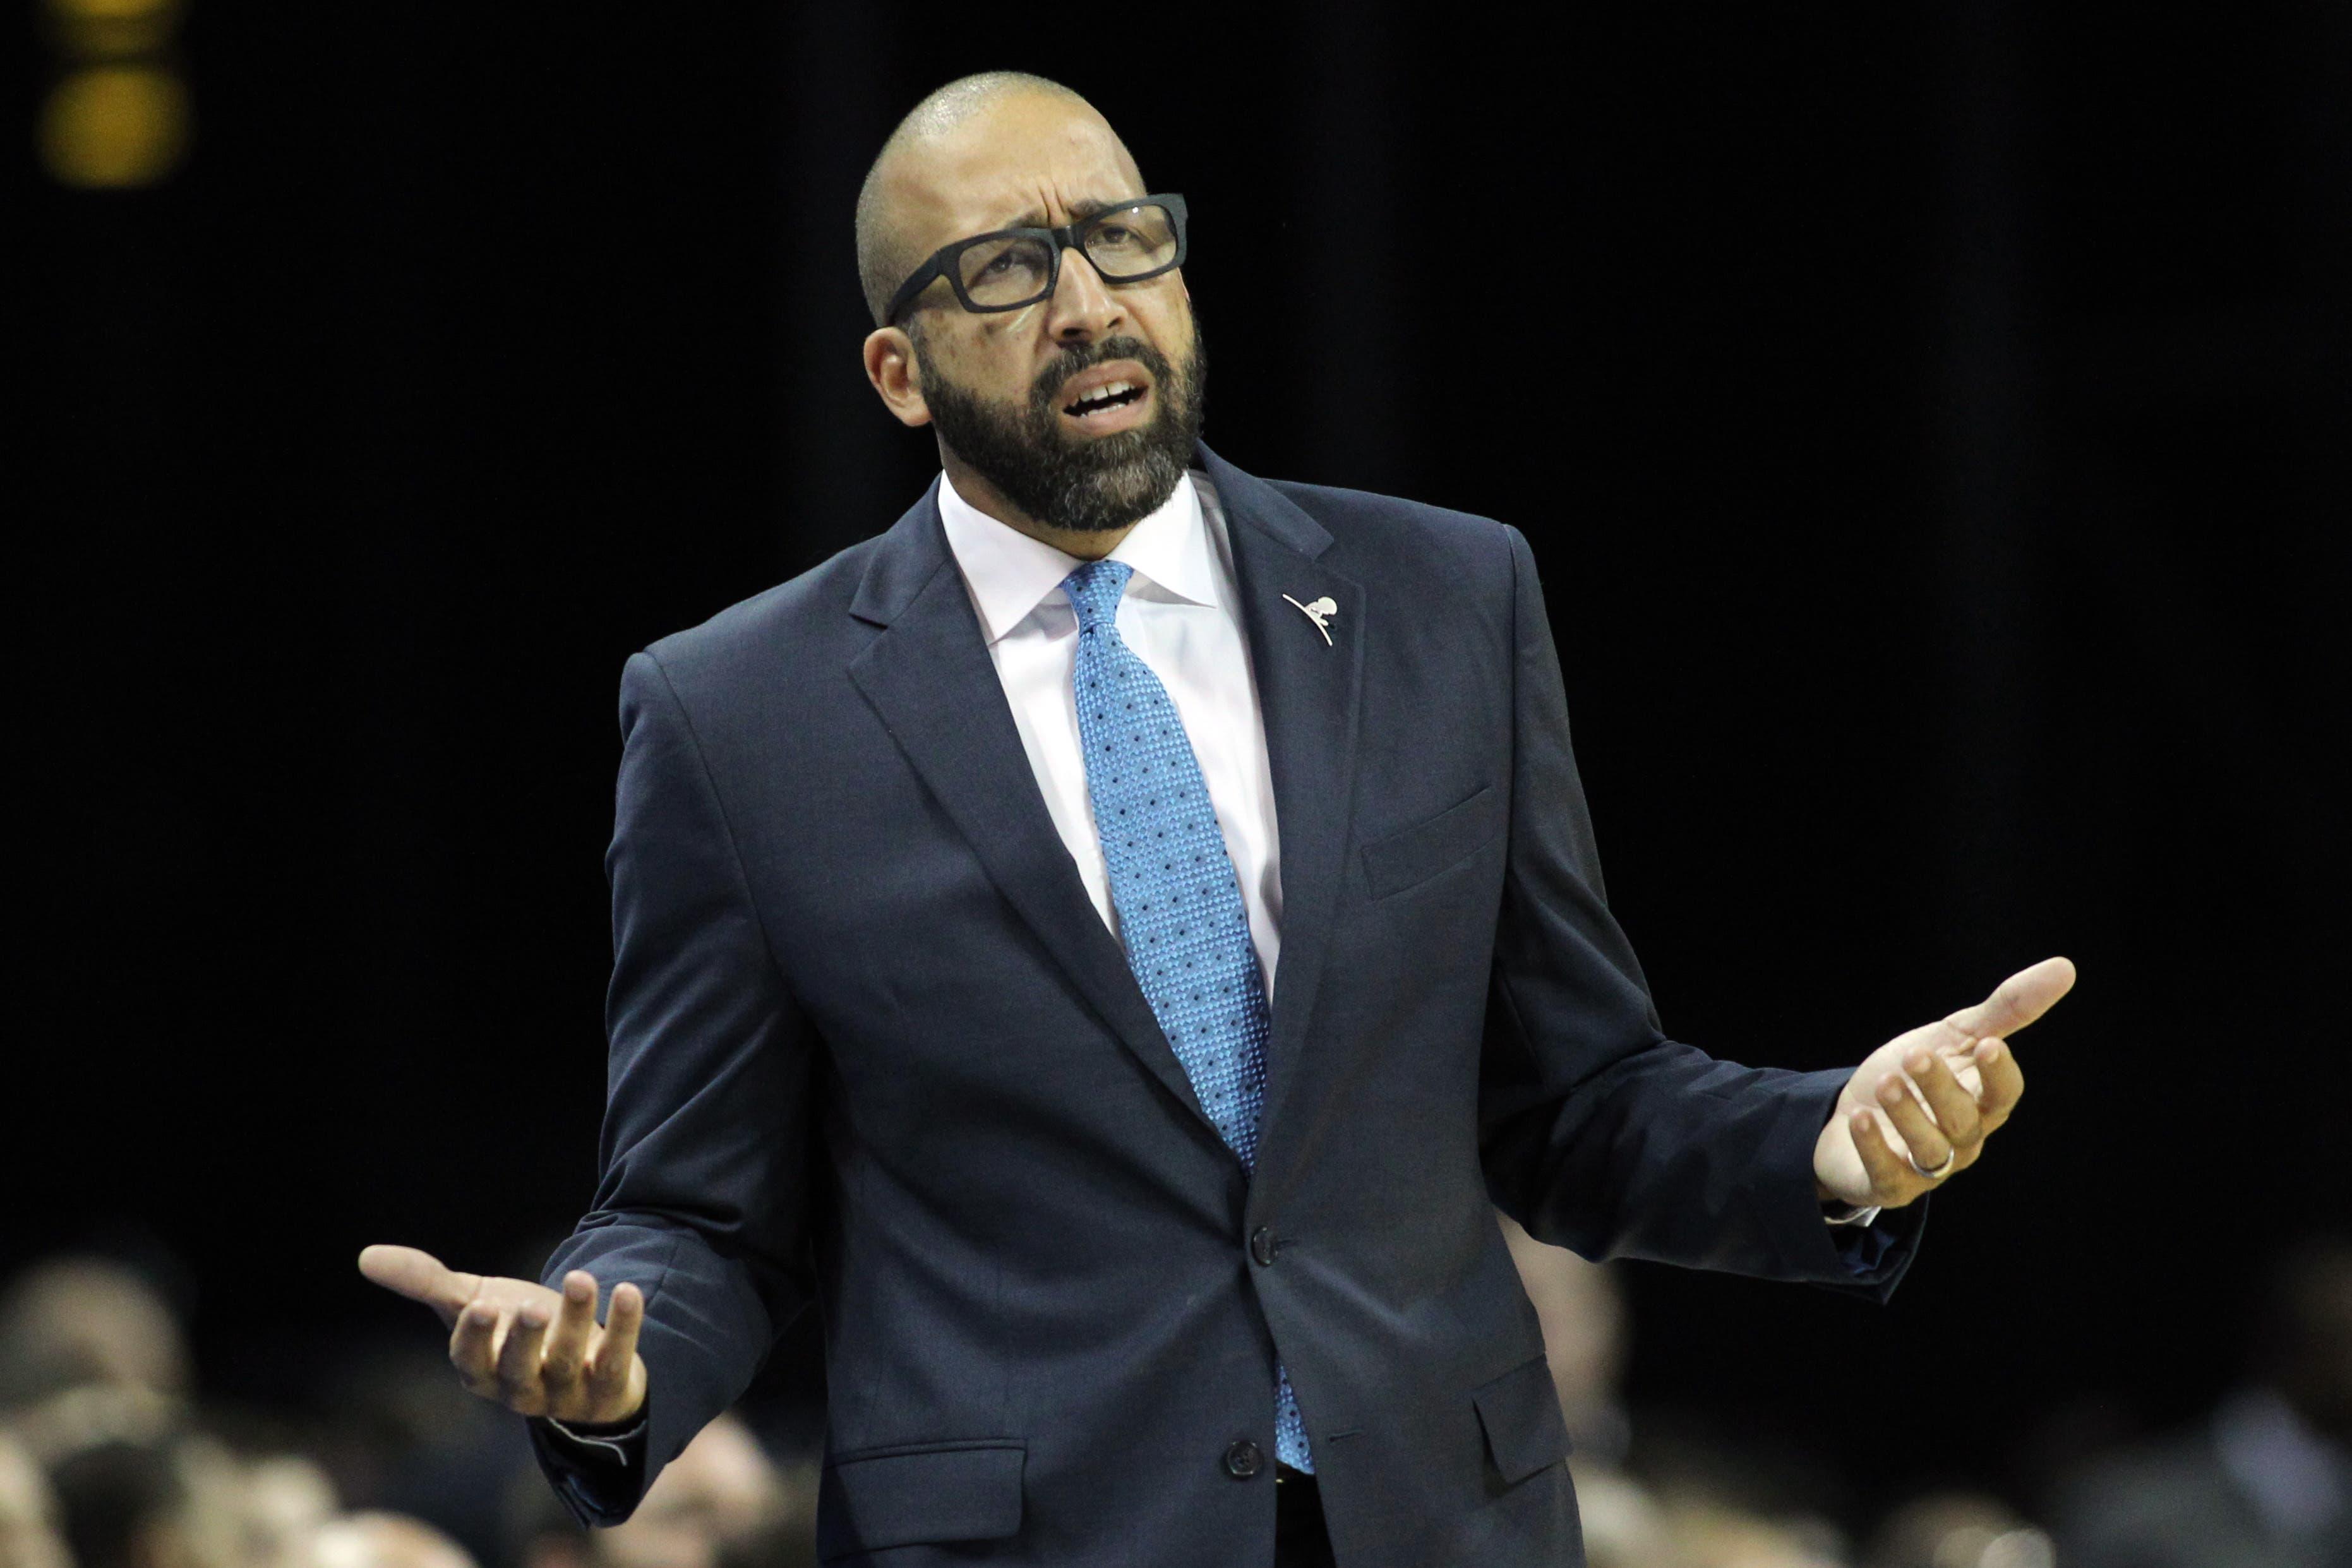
{"type": "Point", "coordinates": [1309, 692]}
{"type": "Point", "coordinates": [929, 677]}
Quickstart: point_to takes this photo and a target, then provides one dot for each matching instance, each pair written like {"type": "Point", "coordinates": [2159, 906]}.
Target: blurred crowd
{"type": "Point", "coordinates": [109, 1457]}
{"type": "Point", "coordinates": [2265, 1480]}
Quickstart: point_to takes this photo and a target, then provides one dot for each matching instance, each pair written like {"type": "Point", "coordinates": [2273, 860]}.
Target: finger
{"type": "Point", "coordinates": [470, 1345]}
{"type": "Point", "coordinates": [1893, 1182]}
{"type": "Point", "coordinates": [518, 1375]}
{"type": "Point", "coordinates": [421, 1276]}
{"type": "Point", "coordinates": [565, 1359]}
{"type": "Point", "coordinates": [1953, 1107]}
{"type": "Point", "coordinates": [2018, 1000]}
{"type": "Point", "coordinates": [2005, 1081]}
{"type": "Point", "coordinates": [1929, 1144]}
{"type": "Point", "coordinates": [608, 1375]}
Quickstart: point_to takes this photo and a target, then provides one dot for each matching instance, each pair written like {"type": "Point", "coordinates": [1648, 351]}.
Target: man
{"type": "Point", "coordinates": [1113, 939]}
{"type": "Point", "coordinates": [74, 1321]}
{"type": "Point", "coordinates": [28, 1514]}
{"type": "Point", "coordinates": [2265, 1482]}
{"type": "Point", "coordinates": [722, 1501]}
{"type": "Point", "coordinates": [384, 1540]}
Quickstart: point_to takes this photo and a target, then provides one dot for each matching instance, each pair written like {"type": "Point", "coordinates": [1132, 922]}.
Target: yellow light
{"type": "Point", "coordinates": [110, 28]}
{"type": "Point", "coordinates": [110, 10]}
{"type": "Point", "coordinates": [108, 127]}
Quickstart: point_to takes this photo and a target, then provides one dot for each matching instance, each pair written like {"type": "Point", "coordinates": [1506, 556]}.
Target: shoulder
{"type": "Point", "coordinates": [1391, 541]}
{"type": "Point", "coordinates": [1371, 519]}
{"type": "Point", "coordinates": [801, 623]}
{"type": "Point", "coordinates": [2169, 1493]}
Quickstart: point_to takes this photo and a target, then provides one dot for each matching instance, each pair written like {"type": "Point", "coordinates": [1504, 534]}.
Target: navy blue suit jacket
{"type": "Point", "coordinates": [872, 1048]}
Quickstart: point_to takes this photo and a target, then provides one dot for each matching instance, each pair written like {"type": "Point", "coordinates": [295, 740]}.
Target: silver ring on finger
{"type": "Point", "coordinates": [1938, 1173]}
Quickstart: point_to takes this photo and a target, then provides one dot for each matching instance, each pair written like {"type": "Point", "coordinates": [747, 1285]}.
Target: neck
{"type": "Point", "coordinates": [1087, 544]}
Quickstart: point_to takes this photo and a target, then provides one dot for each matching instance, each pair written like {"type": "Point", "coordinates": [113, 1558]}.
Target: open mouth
{"type": "Point", "coordinates": [1110, 395]}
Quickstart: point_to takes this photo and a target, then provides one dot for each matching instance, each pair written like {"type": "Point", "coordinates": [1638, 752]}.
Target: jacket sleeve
{"type": "Point", "coordinates": [705, 1153]}
{"type": "Point", "coordinates": [1596, 1133]}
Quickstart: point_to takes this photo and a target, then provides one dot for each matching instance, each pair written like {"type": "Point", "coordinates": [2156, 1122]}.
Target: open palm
{"type": "Point", "coordinates": [535, 1351]}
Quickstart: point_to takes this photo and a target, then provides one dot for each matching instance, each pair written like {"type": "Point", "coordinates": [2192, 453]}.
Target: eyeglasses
{"type": "Point", "coordinates": [1012, 267]}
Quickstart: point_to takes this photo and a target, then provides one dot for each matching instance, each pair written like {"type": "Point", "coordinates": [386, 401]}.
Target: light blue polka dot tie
{"type": "Point", "coordinates": [1180, 906]}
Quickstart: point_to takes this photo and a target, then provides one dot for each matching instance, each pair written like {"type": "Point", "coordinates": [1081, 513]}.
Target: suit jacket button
{"type": "Point", "coordinates": [1261, 1244]}
{"type": "Point", "coordinates": [1243, 1461]}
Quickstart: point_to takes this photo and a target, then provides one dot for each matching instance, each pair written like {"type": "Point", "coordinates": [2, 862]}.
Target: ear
{"type": "Point", "coordinates": [890, 366]}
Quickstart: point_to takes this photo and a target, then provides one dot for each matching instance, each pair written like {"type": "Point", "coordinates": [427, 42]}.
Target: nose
{"type": "Point", "coordinates": [1083, 307]}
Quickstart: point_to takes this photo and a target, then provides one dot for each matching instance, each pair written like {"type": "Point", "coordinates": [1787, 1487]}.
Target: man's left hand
{"type": "Point", "coordinates": [1919, 1109]}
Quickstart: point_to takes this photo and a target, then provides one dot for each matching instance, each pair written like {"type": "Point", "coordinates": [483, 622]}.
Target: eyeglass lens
{"type": "Point", "coordinates": [1125, 244]}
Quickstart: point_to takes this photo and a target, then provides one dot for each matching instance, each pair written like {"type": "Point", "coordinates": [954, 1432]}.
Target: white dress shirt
{"type": "Point", "coordinates": [1181, 616]}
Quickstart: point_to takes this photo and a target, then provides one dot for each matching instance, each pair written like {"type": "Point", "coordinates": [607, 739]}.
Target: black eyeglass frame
{"type": "Point", "coordinates": [1070, 236]}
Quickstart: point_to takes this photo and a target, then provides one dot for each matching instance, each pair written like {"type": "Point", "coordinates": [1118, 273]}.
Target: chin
{"type": "Point", "coordinates": [1121, 500]}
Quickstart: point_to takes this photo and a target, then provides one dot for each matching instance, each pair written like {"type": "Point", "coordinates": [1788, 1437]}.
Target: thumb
{"type": "Point", "coordinates": [2018, 1000]}
{"type": "Point", "coordinates": [421, 1276]}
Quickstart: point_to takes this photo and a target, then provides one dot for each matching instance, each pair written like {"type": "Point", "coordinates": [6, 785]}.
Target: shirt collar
{"type": "Point", "coordinates": [1010, 574]}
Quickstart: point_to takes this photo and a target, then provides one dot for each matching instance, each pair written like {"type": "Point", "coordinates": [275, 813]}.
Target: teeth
{"type": "Point", "coordinates": [1112, 390]}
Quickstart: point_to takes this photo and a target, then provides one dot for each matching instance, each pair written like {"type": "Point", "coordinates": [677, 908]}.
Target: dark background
{"type": "Point", "coordinates": [1931, 423]}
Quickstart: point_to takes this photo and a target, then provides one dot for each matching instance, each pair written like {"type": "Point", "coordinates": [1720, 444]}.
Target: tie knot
{"type": "Point", "coordinates": [1094, 588]}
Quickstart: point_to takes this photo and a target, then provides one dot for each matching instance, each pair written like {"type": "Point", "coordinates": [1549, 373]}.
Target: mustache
{"type": "Point", "coordinates": [1078, 357]}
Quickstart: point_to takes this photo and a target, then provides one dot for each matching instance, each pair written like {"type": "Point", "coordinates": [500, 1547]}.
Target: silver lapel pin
{"type": "Point", "coordinates": [1320, 611]}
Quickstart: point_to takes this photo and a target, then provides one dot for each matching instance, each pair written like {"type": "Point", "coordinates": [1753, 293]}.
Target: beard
{"type": "Point", "coordinates": [1085, 485]}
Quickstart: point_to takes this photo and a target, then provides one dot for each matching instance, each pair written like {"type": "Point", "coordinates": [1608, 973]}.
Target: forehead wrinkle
{"type": "Point", "coordinates": [980, 171]}
{"type": "Point", "coordinates": [999, 198]}
{"type": "Point", "coordinates": [1080, 209]}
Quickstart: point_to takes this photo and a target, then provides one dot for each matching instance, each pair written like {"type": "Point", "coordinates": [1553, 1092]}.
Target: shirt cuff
{"type": "Point", "coordinates": [619, 1448]}
{"type": "Point", "coordinates": [1866, 1239]}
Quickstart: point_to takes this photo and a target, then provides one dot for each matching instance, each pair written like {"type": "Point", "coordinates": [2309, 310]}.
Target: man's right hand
{"type": "Point", "coordinates": [534, 1350]}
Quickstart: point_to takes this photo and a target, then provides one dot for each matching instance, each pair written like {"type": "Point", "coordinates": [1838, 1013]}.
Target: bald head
{"type": "Point", "coordinates": [384, 1540]}
{"type": "Point", "coordinates": [973, 131]}
{"type": "Point", "coordinates": [79, 1320]}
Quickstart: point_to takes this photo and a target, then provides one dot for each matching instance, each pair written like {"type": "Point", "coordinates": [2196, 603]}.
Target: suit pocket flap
{"type": "Point", "coordinates": [967, 1492]}
{"type": "Point", "coordinates": [1520, 1412]}
{"type": "Point", "coordinates": [1422, 850]}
